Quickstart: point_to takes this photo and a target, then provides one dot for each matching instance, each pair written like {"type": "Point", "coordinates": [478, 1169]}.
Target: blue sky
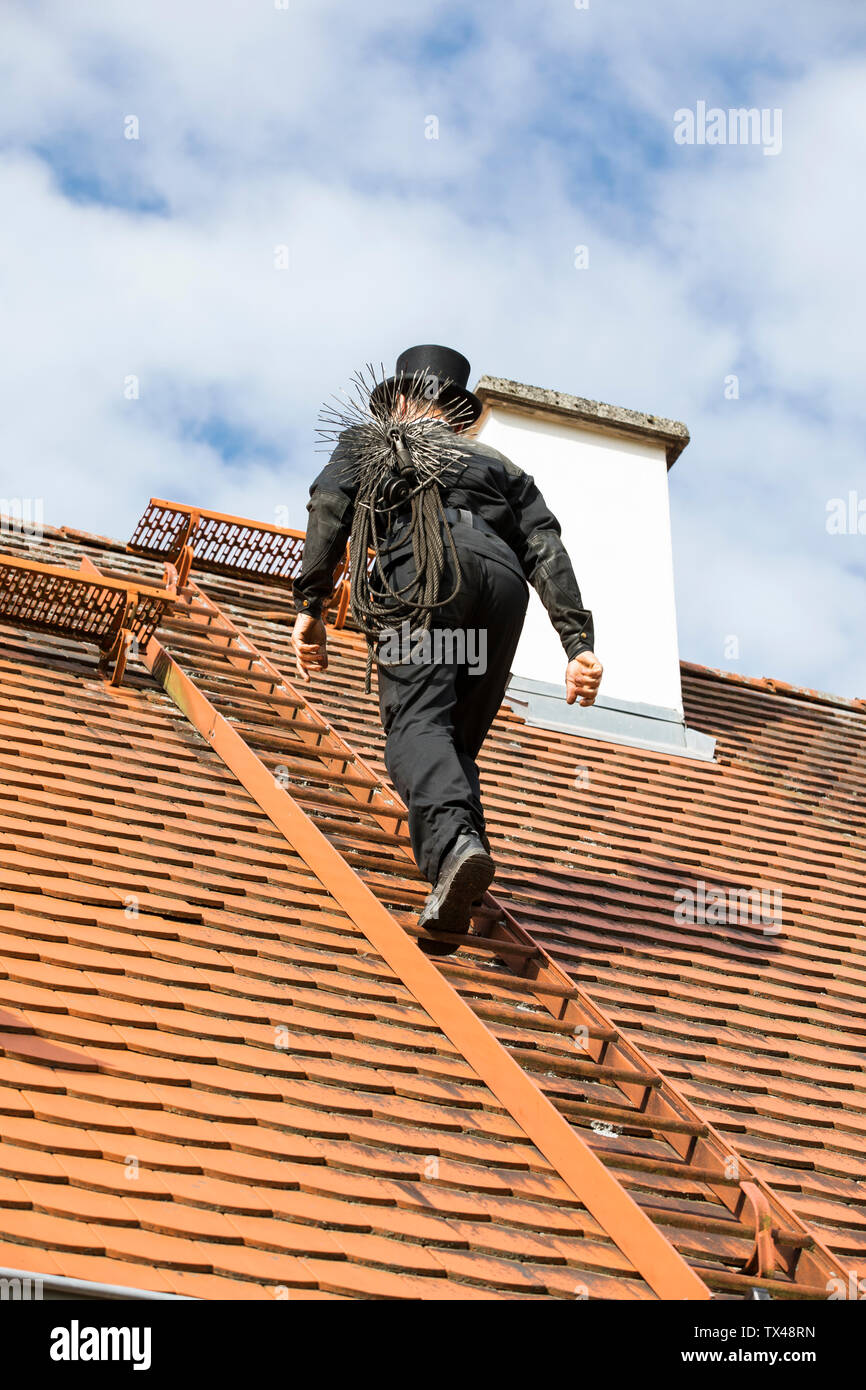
{"type": "Point", "coordinates": [305, 127]}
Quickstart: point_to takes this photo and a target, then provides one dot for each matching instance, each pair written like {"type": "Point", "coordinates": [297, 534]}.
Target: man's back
{"type": "Point", "coordinates": [516, 528]}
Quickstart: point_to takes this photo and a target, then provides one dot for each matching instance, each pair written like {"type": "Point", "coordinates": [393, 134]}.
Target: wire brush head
{"type": "Point", "coordinates": [404, 435]}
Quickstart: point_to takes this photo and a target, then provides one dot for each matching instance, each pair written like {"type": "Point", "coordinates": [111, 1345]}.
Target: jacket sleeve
{"type": "Point", "coordinates": [330, 510]}
{"type": "Point", "coordinates": [545, 562]}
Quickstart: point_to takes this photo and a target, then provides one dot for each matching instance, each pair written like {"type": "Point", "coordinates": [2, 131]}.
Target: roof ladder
{"type": "Point", "coordinates": [232, 688]}
{"type": "Point", "coordinates": [366, 821]}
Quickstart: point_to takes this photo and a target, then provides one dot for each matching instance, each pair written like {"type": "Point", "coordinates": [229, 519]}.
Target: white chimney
{"type": "Point", "coordinates": [603, 472]}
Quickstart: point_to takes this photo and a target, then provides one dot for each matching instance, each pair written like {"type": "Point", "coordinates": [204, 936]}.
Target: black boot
{"type": "Point", "coordinates": [466, 874]}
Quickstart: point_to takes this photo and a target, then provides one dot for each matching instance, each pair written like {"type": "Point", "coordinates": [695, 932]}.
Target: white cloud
{"type": "Point", "coordinates": [260, 127]}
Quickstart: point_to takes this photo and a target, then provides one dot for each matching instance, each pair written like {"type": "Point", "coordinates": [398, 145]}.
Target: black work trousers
{"type": "Point", "coordinates": [437, 709]}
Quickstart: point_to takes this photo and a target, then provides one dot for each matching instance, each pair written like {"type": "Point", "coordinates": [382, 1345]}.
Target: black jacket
{"type": "Point", "coordinates": [495, 489]}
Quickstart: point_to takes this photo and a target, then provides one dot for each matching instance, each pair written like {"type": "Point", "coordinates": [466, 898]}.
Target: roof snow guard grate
{"type": "Point", "coordinates": [231, 545]}
{"type": "Point", "coordinates": [82, 605]}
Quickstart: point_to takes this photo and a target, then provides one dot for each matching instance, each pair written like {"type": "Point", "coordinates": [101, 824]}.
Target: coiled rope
{"type": "Point", "coordinates": [374, 602]}
{"type": "Point", "coordinates": [400, 467]}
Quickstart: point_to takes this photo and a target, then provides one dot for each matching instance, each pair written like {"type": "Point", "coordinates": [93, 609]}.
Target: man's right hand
{"type": "Point", "coordinates": [582, 678]}
{"type": "Point", "coordinates": [310, 644]}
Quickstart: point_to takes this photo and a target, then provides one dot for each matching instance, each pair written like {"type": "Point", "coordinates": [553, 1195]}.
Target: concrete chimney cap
{"type": "Point", "coordinates": [495, 390]}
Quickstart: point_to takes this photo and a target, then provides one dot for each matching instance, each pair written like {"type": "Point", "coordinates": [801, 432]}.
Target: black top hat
{"type": "Point", "coordinates": [433, 373]}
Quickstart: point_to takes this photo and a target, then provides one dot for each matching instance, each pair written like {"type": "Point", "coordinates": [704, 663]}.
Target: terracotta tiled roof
{"type": "Point", "coordinates": [227, 1070]}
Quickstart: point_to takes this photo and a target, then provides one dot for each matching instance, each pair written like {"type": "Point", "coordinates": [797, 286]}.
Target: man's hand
{"type": "Point", "coordinates": [582, 678]}
{"type": "Point", "coordinates": [310, 644]}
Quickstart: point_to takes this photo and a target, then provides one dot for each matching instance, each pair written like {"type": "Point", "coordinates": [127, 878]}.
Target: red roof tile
{"type": "Point", "coordinates": [222, 1070]}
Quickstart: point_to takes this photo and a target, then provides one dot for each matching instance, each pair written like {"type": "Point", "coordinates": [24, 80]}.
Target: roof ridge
{"type": "Point", "coordinates": [13, 524]}
{"type": "Point", "coordinates": [771, 685]}
{"type": "Point", "coordinates": [763, 684]}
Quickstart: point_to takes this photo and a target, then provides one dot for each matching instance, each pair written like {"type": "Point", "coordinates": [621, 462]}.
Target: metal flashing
{"type": "Point", "coordinates": [653, 727]}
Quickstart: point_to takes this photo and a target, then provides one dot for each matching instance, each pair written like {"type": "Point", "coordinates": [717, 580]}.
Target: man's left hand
{"type": "Point", "coordinates": [582, 678]}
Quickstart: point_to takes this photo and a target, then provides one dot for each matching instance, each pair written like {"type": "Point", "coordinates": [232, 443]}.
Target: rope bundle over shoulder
{"type": "Point", "coordinates": [400, 460]}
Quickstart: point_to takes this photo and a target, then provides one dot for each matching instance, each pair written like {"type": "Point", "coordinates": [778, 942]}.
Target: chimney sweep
{"type": "Point", "coordinates": [455, 530]}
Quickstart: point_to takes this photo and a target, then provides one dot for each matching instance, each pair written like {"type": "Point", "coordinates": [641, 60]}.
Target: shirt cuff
{"type": "Point", "coordinates": [577, 645]}
{"type": "Point", "coordinates": [311, 607]}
